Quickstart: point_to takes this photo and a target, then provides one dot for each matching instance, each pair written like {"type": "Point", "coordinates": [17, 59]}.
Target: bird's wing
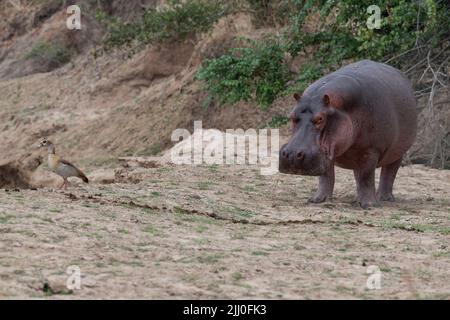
{"type": "Point", "coordinates": [67, 163]}
{"type": "Point", "coordinates": [80, 173]}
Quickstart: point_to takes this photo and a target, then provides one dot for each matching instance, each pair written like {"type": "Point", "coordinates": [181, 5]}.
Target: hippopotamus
{"type": "Point", "coordinates": [360, 117]}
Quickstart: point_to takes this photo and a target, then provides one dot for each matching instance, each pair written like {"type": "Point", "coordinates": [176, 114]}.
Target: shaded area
{"type": "Point", "coordinates": [17, 174]}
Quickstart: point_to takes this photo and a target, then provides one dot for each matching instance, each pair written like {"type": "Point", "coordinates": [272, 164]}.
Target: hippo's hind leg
{"type": "Point", "coordinates": [387, 178]}
{"type": "Point", "coordinates": [365, 180]}
{"type": "Point", "coordinates": [326, 186]}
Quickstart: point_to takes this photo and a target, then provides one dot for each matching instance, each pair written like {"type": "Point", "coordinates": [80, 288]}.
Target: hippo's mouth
{"type": "Point", "coordinates": [312, 163]}
{"type": "Point", "coordinates": [301, 171]}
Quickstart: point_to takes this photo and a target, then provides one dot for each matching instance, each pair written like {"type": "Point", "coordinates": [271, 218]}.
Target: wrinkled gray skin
{"type": "Point", "coordinates": [361, 117]}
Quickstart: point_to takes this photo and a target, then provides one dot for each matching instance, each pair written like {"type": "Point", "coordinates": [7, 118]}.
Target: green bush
{"type": "Point", "coordinates": [176, 21]}
{"type": "Point", "coordinates": [339, 34]}
{"type": "Point", "coordinates": [343, 33]}
{"type": "Point", "coordinates": [336, 33]}
{"type": "Point", "coordinates": [255, 72]}
{"type": "Point", "coordinates": [277, 121]}
{"type": "Point", "coordinates": [307, 74]}
{"type": "Point", "coordinates": [50, 54]}
{"type": "Point", "coordinates": [271, 12]}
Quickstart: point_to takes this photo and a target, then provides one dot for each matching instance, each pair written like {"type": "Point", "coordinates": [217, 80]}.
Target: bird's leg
{"type": "Point", "coordinates": [67, 184]}
{"type": "Point", "coordinates": [63, 184]}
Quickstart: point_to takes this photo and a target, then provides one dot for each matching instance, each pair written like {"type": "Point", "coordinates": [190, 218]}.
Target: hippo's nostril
{"type": "Point", "coordinates": [284, 154]}
{"type": "Point", "coordinates": [300, 155]}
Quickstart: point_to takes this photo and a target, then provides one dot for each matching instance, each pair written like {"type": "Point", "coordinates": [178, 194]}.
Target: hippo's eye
{"type": "Point", "coordinates": [319, 120]}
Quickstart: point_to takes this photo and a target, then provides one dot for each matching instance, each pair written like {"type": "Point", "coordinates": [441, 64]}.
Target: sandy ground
{"type": "Point", "coordinates": [225, 232]}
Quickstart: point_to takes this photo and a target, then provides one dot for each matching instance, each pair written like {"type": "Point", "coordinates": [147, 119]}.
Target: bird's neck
{"type": "Point", "coordinates": [53, 161]}
{"type": "Point", "coordinates": [51, 149]}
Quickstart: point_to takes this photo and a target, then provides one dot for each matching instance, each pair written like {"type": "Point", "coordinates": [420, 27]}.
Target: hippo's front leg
{"type": "Point", "coordinates": [365, 180]}
{"type": "Point", "coordinates": [326, 186]}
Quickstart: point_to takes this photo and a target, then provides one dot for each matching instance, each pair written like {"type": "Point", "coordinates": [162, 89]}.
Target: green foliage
{"type": "Point", "coordinates": [119, 33]}
{"type": "Point", "coordinates": [343, 32]}
{"type": "Point", "coordinates": [329, 33]}
{"type": "Point", "coordinates": [254, 72]}
{"type": "Point", "coordinates": [270, 12]}
{"type": "Point", "coordinates": [176, 21]}
{"type": "Point", "coordinates": [308, 73]}
{"type": "Point", "coordinates": [49, 53]}
{"type": "Point", "coordinates": [277, 121]}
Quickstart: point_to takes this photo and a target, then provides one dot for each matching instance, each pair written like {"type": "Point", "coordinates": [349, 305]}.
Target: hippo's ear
{"type": "Point", "coordinates": [297, 96]}
{"type": "Point", "coordinates": [333, 99]}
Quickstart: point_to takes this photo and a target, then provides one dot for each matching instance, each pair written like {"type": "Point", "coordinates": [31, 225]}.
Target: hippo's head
{"type": "Point", "coordinates": [321, 131]}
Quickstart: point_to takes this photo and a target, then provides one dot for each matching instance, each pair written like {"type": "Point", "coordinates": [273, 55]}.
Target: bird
{"type": "Point", "coordinates": [61, 167]}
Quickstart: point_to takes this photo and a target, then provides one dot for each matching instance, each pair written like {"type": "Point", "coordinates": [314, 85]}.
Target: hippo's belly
{"type": "Point", "coordinates": [356, 158]}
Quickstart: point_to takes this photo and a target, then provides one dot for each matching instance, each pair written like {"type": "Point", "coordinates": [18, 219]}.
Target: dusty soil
{"type": "Point", "coordinates": [225, 232]}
